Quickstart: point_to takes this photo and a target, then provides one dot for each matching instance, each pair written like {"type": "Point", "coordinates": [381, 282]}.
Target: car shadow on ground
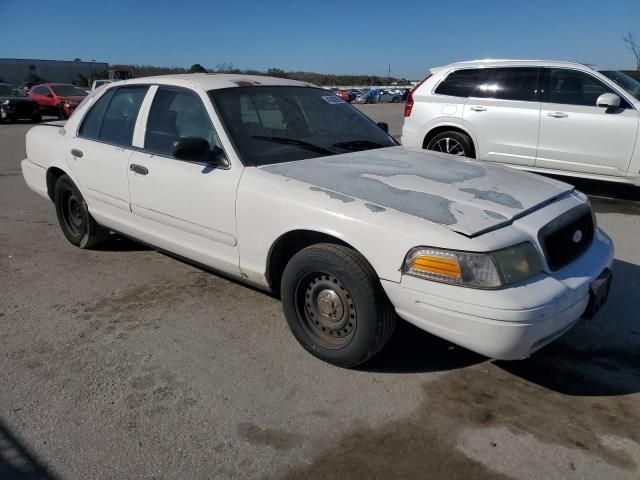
{"type": "Point", "coordinates": [412, 350]}
{"type": "Point", "coordinates": [17, 461]}
{"type": "Point", "coordinates": [117, 243]}
{"type": "Point", "coordinates": [597, 188]}
{"type": "Point", "coordinates": [600, 357]}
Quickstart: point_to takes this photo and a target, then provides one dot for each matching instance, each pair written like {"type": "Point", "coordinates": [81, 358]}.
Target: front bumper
{"type": "Point", "coordinates": [510, 323]}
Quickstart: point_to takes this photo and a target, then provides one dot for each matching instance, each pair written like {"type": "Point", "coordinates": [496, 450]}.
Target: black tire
{"type": "Point", "coordinates": [457, 143]}
{"type": "Point", "coordinates": [74, 218]}
{"type": "Point", "coordinates": [395, 100]}
{"type": "Point", "coordinates": [62, 115]}
{"type": "Point", "coordinates": [37, 118]}
{"type": "Point", "coordinates": [335, 306]}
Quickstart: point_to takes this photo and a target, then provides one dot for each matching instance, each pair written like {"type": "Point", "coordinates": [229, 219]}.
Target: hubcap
{"type": "Point", "coordinates": [448, 145]}
{"type": "Point", "coordinates": [326, 310]}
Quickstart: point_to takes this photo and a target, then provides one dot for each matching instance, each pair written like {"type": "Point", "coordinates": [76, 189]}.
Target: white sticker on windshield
{"type": "Point", "coordinates": [332, 99]}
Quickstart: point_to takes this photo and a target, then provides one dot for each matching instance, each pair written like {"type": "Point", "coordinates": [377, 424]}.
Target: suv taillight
{"type": "Point", "coordinates": [409, 105]}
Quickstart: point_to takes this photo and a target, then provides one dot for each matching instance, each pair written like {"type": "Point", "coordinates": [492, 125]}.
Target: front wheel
{"type": "Point", "coordinates": [453, 143]}
{"type": "Point", "coordinates": [74, 218]}
{"type": "Point", "coordinates": [335, 306]}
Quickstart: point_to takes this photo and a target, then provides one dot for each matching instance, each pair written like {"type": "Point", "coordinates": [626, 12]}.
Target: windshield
{"type": "Point", "coordinates": [282, 124]}
{"type": "Point", "coordinates": [631, 85]}
{"type": "Point", "coordinates": [68, 91]}
{"type": "Point", "coordinates": [11, 91]}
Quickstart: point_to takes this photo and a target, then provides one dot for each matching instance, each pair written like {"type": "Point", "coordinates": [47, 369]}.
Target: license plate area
{"type": "Point", "coordinates": [598, 293]}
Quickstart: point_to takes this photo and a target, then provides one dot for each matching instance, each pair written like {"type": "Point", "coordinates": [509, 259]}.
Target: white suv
{"type": "Point", "coordinates": [554, 117]}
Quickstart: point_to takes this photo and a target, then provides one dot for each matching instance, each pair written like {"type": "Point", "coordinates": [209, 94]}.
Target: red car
{"type": "Point", "coordinates": [59, 99]}
{"type": "Point", "coordinates": [344, 95]}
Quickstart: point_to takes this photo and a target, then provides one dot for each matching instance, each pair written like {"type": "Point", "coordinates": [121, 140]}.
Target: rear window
{"type": "Point", "coordinates": [460, 83]}
{"type": "Point", "coordinates": [509, 84]}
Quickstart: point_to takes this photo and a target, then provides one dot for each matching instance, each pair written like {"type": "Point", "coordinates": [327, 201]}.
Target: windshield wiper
{"type": "Point", "coordinates": [358, 145]}
{"type": "Point", "coordinates": [292, 141]}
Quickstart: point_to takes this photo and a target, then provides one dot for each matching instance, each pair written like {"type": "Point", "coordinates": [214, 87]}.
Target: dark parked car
{"type": "Point", "coordinates": [58, 99]}
{"type": "Point", "coordinates": [14, 104]}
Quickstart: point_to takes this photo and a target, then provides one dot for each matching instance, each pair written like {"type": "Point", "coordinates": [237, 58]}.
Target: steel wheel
{"type": "Point", "coordinates": [72, 212]}
{"type": "Point", "coordinates": [327, 310]}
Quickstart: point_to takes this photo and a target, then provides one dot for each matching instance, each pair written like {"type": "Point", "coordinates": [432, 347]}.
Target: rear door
{"type": "Point", "coordinates": [578, 136]}
{"type": "Point", "coordinates": [99, 155]}
{"type": "Point", "coordinates": [184, 207]}
{"type": "Point", "coordinates": [503, 113]}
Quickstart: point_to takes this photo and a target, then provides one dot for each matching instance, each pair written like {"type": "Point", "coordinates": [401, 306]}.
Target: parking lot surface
{"type": "Point", "coordinates": [126, 363]}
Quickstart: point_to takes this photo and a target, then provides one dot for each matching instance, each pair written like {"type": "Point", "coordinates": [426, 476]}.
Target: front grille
{"type": "Point", "coordinates": [568, 237]}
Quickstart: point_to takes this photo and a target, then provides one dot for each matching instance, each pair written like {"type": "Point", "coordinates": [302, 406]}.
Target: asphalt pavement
{"type": "Point", "coordinates": [126, 363]}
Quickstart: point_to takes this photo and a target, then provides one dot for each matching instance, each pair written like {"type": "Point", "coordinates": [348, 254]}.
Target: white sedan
{"type": "Point", "coordinates": [285, 186]}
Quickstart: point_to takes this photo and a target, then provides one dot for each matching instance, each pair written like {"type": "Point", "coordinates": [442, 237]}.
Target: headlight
{"type": "Point", "coordinates": [474, 269]}
{"type": "Point", "coordinates": [6, 102]}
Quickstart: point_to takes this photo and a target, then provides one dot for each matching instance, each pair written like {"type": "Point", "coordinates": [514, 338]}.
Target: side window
{"type": "Point", "coordinates": [509, 84]}
{"type": "Point", "coordinates": [40, 90]}
{"type": "Point", "coordinates": [121, 114]}
{"type": "Point", "coordinates": [176, 114]}
{"type": "Point", "coordinates": [460, 83]}
{"type": "Point", "coordinates": [91, 124]}
{"type": "Point", "coordinates": [573, 87]}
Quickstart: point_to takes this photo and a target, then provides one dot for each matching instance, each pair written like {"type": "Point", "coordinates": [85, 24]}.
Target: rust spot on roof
{"type": "Point", "coordinates": [246, 83]}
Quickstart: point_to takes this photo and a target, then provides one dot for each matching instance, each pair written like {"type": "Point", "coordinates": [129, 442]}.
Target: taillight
{"type": "Point", "coordinates": [409, 105]}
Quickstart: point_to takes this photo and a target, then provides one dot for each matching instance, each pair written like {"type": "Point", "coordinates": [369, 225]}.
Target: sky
{"type": "Point", "coordinates": [360, 37]}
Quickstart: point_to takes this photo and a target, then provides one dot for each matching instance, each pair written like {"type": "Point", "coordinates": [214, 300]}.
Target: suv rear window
{"type": "Point", "coordinates": [460, 83]}
{"type": "Point", "coordinates": [517, 83]}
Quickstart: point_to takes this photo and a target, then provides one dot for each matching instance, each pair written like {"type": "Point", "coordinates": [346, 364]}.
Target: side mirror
{"type": "Point", "coordinates": [48, 95]}
{"type": "Point", "coordinates": [608, 100]}
{"type": "Point", "coordinates": [195, 149]}
{"type": "Point", "coordinates": [384, 126]}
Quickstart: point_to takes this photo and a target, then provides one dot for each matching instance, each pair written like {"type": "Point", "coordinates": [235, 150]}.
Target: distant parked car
{"type": "Point", "coordinates": [370, 96]}
{"type": "Point", "coordinates": [405, 94]}
{"type": "Point", "coordinates": [343, 94]}
{"type": "Point", "coordinates": [99, 83]}
{"type": "Point", "coordinates": [58, 99]}
{"type": "Point", "coordinates": [545, 116]}
{"type": "Point", "coordinates": [15, 104]}
{"type": "Point", "coordinates": [353, 94]}
{"type": "Point", "coordinates": [387, 96]}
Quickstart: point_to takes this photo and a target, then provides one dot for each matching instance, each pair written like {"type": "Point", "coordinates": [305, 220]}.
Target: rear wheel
{"type": "Point", "coordinates": [37, 118]}
{"type": "Point", "coordinates": [395, 100]}
{"type": "Point", "coordinates": [74, 218]}
{"type": "Point", "coordinates": [453, 143]}
{"type": "Point", "coordinates": [335, 305]}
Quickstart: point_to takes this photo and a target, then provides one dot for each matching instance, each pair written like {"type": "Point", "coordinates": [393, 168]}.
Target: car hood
{"type": "Point", "coordinates": [465, 195]}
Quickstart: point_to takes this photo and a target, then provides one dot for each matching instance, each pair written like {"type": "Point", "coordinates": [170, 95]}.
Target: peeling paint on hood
{"type": "Point", "coordinates": [466, 195]}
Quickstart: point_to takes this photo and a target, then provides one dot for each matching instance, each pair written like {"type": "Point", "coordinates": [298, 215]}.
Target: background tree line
{"type": "Point", "coordinates": [311, 77]}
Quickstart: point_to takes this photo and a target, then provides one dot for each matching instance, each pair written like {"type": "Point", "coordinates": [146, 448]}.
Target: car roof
{"type": "Point", "coordinates": [494, 62]}
{"type": "Point", "coordinates": [214, 81]}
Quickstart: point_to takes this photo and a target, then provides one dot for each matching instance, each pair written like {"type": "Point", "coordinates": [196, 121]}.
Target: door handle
{"type": "Point", "coordinates": [76, 153]}
{"type": "Point", "coordinates": [558, 114]}
{"type": "Point", "coordinates": [478, 108]}
{"type": "Point", "coordinates": [138, 169]}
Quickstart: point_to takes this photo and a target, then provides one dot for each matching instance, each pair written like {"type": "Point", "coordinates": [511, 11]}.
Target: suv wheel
{"type": "Point", "coordinates": [453, 143]}
{"type": "Point", "coordinates": [335, 305]}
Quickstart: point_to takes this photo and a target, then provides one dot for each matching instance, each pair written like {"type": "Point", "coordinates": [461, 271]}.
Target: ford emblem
{"type": "Point", "coordinates": [577, 236]}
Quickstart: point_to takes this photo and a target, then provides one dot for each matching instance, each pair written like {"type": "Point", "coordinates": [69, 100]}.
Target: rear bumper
{"type": "Point", "coordinates": [35, 177]}
{"type": "Point", "coordinates": [507, 324]}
